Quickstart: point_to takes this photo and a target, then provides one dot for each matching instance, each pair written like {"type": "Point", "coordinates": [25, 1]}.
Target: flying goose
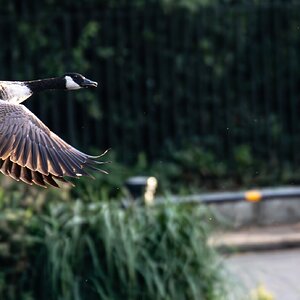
{"type": "Point", "coordinates": [29, 151]}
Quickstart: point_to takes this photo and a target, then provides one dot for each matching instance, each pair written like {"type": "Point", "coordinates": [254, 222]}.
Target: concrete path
{"type": "Point", "coordinates": [278, 271]}
{"type": "Point", "coordinates": [258, 238]}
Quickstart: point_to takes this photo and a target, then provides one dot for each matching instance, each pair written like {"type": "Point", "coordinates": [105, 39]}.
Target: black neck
{"type": "Point", "coordinates": [39, 85]}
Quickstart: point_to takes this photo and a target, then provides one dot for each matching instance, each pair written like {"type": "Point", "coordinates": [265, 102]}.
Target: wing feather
{"type": "Point", "coordinates": [25, 175]}
{"type": "Point", "coordinates": [49, 180]}
{"type": "Point", "coordinates": [15, 172]}
{"type": "Point", "coordinates": [30, 152]}
{"type": "Point", "coordinates": [43, 162]}
{"type": "Point", "coordinates": [37, 178]}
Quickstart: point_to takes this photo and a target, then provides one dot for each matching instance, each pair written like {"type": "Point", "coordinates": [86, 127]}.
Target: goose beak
{"type": "Point", "coordinates": [89, 83]}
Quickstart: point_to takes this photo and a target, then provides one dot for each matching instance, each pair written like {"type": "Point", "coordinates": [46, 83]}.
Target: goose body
{"type": "Point", "coordinates": [29, 150]}
{"type": "Point", "coordinates": [13, 91]}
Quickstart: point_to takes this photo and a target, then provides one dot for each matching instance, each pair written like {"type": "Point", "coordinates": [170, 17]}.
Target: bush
{"type": "Point", "coordinates": [92, 251]}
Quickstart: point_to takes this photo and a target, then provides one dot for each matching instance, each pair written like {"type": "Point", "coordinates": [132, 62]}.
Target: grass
{"type": "Point", "coordinates": [137, 254]}
{"type": "Point", "coordinates": [100, 251]}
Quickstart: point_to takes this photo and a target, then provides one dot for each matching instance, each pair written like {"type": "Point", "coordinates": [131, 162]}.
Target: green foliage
{"type": "Point", "coordinates": [215, 83]}
{"type": "Point", "coordinates": [100, 251]}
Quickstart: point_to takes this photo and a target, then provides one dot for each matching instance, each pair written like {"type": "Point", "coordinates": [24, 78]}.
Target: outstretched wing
{"type": "Point", "coordinates": [32, 153]}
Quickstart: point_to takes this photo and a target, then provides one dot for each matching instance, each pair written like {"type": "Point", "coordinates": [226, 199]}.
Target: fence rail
{"type": "Point", "coordinates": [253, 196]}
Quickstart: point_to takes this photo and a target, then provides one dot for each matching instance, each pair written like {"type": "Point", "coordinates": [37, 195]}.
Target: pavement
{"type": "Point", "coordinates": [277, 271]}
{"type": "Point", "coordinates": [267, 256]}
{"type": "Point", "coordinates": [258, 238]}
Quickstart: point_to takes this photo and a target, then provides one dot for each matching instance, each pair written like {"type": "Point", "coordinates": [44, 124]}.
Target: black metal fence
{"type": "Point", "coordinates": [221, 76]}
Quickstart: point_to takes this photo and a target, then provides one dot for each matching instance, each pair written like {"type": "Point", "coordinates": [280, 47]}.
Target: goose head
{"type": "Point", "coordinates": [69, 81]}
{"type": "Point", "coordinates": [75, 81]}
{"type": "Point", "coordinates": [18, 91]}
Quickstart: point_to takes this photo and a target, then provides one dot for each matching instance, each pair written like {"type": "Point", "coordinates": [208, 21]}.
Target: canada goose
{"type": "Point", "coordinates": [29, 151]}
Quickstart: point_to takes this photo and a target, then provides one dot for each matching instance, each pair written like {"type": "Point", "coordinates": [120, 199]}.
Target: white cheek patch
{"type": "Point", "coordinates": [71, 84]}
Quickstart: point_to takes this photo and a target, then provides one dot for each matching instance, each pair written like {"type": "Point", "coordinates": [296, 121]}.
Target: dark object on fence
{"type": "Point", "coordinates": [250, 195]}
{"type": "Point", "coordinates": [142, 187]}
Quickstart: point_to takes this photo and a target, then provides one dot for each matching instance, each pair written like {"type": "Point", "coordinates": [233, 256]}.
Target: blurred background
{"type": "Point", "coordinates": [205, 92]}
{"type": "Point", "coordinates": [203, 95]}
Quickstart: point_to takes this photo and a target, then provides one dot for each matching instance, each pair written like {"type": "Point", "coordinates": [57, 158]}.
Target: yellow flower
{"type": "Point", "coordinates": [261, 293]}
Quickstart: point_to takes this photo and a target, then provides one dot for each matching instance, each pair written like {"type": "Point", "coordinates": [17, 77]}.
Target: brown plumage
{"type": "Point", "coordinates": [29, 151]}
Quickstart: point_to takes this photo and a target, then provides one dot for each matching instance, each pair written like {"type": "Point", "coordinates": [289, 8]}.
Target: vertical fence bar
{"type": "Point", "coordinates": [215, 97]}
{"type": "Point", "coordinates": [265, 53]}
{"type": "Point", "coordinates": [135, 71]}
{"type": "Point", "coordinates": [293, 78]}
{"type": "Point", "coordinates": [187, 94]}
{"type": "Point", "coordinates": [72, 132]}
{"type": "Point", "coordinates": [111, 115]}
{"type": "Point", "coordinates": [201, 87]}
{"type": "Point", "coordinates": [278, 46]}
{"type": "Point", "coordinates": [238, 78]}
{"type": "Point", "coordinates": [225, 85]}
{"type": "Point", "coordinates": [219, 14]}
{"type": "Point", "coordinates": [198, 75]}
{"type": "Point", "coordinates": [51, 113]}
{"type": "Point", "coordinates": [84, 131]}
{"type": "Point", "coordinates": [175, 32]}
{"type": "Point", "coordinates": [262, 144]}
{"type": "Point", "coordinates": [164, 85]}
{"type": "Point", "coordinates": [97, 134]}
{"type": "Point", "coordinates": [254, 76]}
{"type": "Point", "coordinates": [122, 50]}
{"type": "Point", "coordinates": [150, 84]}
